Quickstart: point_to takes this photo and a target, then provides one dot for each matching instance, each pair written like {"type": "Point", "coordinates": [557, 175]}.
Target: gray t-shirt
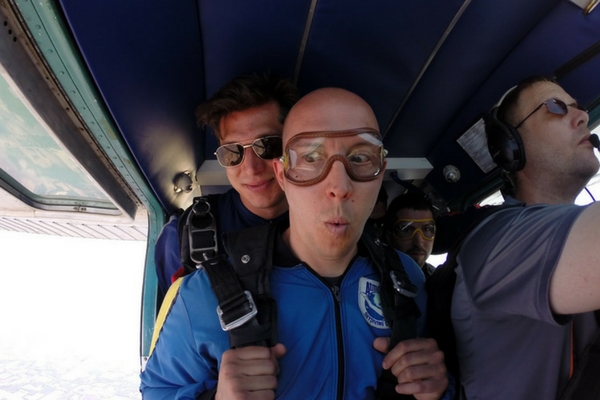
{"type": "Point", "coordinates": [510, 344]}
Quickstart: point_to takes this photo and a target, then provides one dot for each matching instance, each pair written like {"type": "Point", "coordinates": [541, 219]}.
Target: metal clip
{"type": "Point", "coordinates": [405, 291]}
{"type": "Point", "coordinates": [243, 319]}
{"type": "Point", "coordinates": [202, 240]}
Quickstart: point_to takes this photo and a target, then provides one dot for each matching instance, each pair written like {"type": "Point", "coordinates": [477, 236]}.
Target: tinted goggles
{"type": "Point", "coordinates": [554, 106]}
{"type": "Point", "coordinates": [308, 156]}
{"type": "Point", "coordinates": [232, 154]}
{"type": "Point", "coordinates": [405, 229]}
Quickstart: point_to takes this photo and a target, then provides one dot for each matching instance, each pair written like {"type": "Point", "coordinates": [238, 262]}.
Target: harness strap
{"type": "Point", "coordinates": [237, 308]}
{"type": "Point", "coordinates": [399, 309]}
{"type": "Point", "coordinates": [236, 305]}
{"type": "Point", "coordinates": [397, 294]}
{"type": "Point", "coordinates": [397, 291]}
{"type": "Point", "coordinates": [251, 253]}
{"type": "Point", "coordinates": [246, 309]}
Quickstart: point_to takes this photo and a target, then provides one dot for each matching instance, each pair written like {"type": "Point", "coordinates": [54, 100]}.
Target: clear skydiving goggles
{"type": "Point", "coordinates": [308, 156]}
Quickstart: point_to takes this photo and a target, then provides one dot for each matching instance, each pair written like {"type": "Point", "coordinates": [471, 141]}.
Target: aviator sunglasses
{"type": "Point", "coordinates": [555, 106]}
{"type": "Point", "coordinates": [232, 154]}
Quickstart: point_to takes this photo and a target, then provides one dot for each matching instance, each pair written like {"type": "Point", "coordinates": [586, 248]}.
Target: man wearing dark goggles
{"type": "Point", "coordinates": [247, 112]}
{"type": "Point", "coordinates": [554, 106]}
{"type": "Point", "coordinates": [251, 172]}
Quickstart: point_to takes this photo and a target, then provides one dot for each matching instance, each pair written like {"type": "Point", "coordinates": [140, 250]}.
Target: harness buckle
{"type": "Point", "coordinates": [404, 288]}
{"type": "Point", "coordinates": [241, 320]}
{"type": "Point", "coordinates": [202, 232]}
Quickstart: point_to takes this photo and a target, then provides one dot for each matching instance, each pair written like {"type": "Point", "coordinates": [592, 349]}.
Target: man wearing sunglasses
{"type": "Point", "coordinates": [246, 115]}
{"type": "Point", "coordinates": [409, 227]}
{"type": "Point", "coordinates": [528, 276]}
{"type": "Point", "coordinates": [332, 341]}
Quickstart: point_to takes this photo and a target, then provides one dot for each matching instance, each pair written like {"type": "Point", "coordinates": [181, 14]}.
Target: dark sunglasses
{"type": "Point", "coordinates": [232, 154]}
{"type": "Point", "coordinates": [554, 106]}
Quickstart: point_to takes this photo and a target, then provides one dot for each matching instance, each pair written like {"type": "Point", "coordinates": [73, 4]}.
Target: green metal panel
{"type": "Point", "coordinates": [52, 35]}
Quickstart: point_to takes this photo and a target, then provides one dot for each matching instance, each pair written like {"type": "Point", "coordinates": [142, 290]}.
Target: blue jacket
{"type": "Point", "coordinates": [328, 335]}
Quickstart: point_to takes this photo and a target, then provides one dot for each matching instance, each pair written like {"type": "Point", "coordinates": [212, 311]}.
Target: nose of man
{"type": "Point", "coordinates": [580, 117]}
{"type": "Point", "coordinates": [418, 240]}
{"type": "Point", "coordinates": [339, 184]}
{"type": "Point", "coordinates": [252, 162]}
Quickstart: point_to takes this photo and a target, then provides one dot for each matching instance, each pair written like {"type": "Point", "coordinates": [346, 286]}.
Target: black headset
{"type": "Point", "coordinates": [504, 141]}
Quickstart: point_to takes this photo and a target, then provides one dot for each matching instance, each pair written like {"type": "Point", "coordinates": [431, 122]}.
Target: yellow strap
{"type": "Point", "coordinates": [164, 311]}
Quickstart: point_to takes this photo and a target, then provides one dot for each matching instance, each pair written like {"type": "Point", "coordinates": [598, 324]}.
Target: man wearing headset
{"type": "Point", "coordinates": [528, 276]}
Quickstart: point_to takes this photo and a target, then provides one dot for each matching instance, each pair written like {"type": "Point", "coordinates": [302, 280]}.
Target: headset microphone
{"type": "Point", "coordinates": [595, 140]}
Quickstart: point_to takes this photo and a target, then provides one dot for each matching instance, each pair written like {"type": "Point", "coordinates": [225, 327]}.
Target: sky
{"type": "Point", "coordinates": [71, 302]}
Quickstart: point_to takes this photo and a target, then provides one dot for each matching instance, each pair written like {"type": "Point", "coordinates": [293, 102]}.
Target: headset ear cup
{"type": "Point", "coordinates": [504, 143]}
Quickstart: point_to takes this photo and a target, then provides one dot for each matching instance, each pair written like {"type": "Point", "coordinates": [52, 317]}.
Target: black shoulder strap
{"type": "Point", "coordinates": [397, 291]}
{"type": "Point", "coordinates": [246, 309]}
{"type": "Point", "coordinates": [397, 294]}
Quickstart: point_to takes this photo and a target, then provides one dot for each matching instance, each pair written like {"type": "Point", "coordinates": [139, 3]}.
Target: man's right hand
{"type": "Point", "coordinates": [249, 373]}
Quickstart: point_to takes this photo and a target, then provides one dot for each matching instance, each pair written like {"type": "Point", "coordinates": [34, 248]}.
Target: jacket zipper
{"type": "Point", "coordinates": [335, 290]}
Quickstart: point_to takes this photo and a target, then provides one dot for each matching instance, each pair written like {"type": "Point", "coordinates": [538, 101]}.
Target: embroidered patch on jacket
{"type": "Point", "coordinates": [369, 302]}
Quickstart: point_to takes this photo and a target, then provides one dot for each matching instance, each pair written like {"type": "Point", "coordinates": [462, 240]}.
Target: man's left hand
{"type": "Point", "coordinates": [419, 366]}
